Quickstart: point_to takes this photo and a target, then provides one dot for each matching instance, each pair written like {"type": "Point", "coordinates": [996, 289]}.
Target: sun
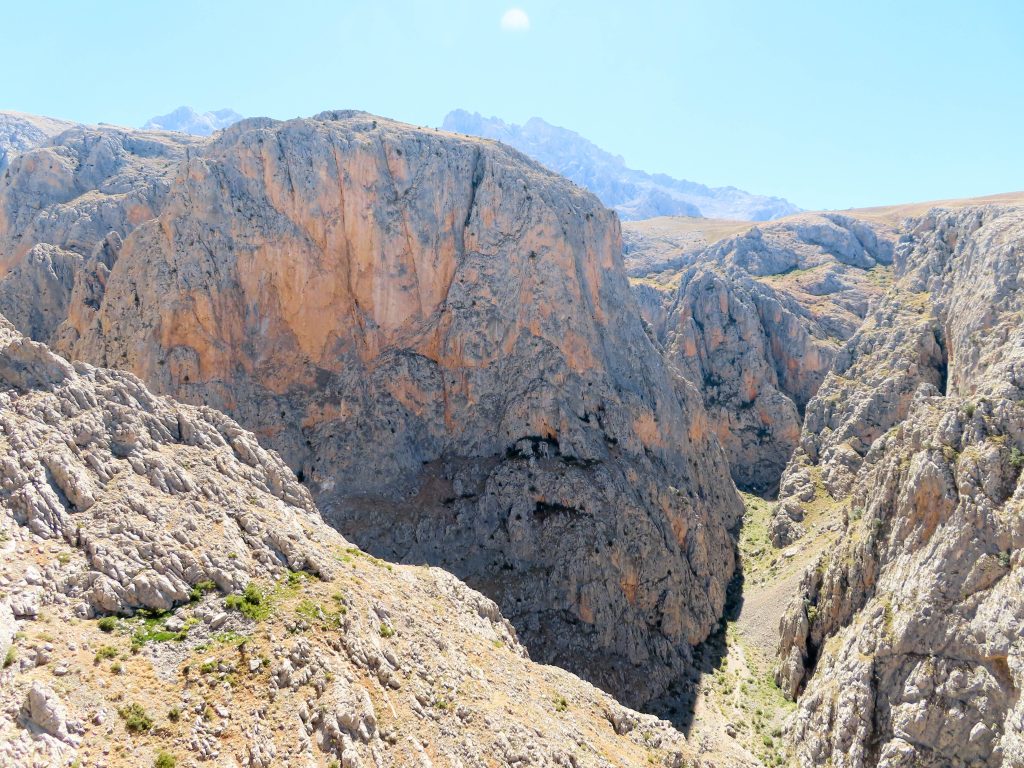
{"type": "Point", "coordinates": [515, 20]}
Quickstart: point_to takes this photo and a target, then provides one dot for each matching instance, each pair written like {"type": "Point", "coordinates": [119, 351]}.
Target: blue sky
{"type": "Point", "coordinates": [828, 103]}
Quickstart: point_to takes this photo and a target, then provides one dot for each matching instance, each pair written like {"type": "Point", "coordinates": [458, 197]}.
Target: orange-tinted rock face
{"type": "Point", "coordinates": [439, 336]}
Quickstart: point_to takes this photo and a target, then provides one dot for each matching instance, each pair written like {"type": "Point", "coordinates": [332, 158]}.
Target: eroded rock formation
{"type": "Point", "coordinates": [20, 133]}
{"type": "Point", "coordinates": [755, 322]}
{"type": "Point", "coordinates": [114, 500]}
{"type": "Point", "coordinates": [438, 336]}
{"type": "Point", "coordinates": [905, 638]}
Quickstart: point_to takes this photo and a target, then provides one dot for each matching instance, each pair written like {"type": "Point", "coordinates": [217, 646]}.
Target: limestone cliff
{"type": "Point", "coordinates": [20, 133]}
{"type": "Point", "coordinates": [438, 336]}
{"type": "Point", "coordinates": [69, 202]}
{"type": "Point", "coordinates": [169, 593]}
{"type": "Point", "coordinates": [755, 321]}
{"type": "Point", "coordinates": [905, 638]}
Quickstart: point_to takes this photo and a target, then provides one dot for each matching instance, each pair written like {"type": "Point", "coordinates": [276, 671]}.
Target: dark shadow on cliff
{"type": "Point", "coordinates": [677, 705]}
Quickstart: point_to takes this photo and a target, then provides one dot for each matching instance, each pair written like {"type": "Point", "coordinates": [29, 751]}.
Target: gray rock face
{"type": "Point", "coordinates": [68, 205]}
{"type": "Point", "coordinates": [53, 481]}
{"type": "Point", "coordinates": [43, 707]}
{"type": "Point", "coordinates": [755, 321]}
{"type": "Point", "coordinates": [905, 640]}
{"type": "Point", "coordinates": [187, 120]}
{"type": "Point", "coordinates": [633, 194]}
{"type": "Point", "coordinates": [439, 336]}
{"type": "Point", "coordinates": [20, 133]}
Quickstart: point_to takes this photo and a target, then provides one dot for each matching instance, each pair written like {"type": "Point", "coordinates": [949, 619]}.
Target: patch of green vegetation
{"type": "Point", "coordinates": [155, 631]}
{"type": "Point", "coordinates": [135, 718]}
{"type": "Point", "coordinates": [64, 558]}
{"type": "Point", "coordinates": [352, 552]}
{"type": "Point", "coordinates": [341, 601]}
{"type": "Point", "coordinates": [107, 624]}
{"type": "Point", "coordinates": [200, 589]}
{"type": "Point", "coordinates": [318, 615]}
{"type": "Point", "coordinates": [165, 760]}
{"type": "Point", "coordinates": [386, 630]}
{"type": "Point", "coordinates": [561, 705]}
{"type": "Point", "coordinates": [105, 653]}
{"type": "Point", "coordinates": [253, 603]}
{"type": "Point", "coordinates": [10, 657]}
{"type": "Point", "coordinates": [1016, 458]}
{"type": "Point", "coordinates": [174, 714]}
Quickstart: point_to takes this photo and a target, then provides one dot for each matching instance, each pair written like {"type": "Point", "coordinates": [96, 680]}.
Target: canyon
{"type": "Point", "coordinates": [642, 443]}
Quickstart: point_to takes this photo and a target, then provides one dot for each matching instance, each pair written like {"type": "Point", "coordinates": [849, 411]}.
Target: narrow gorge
{"type": "Point", "coordinates": [269, 397]}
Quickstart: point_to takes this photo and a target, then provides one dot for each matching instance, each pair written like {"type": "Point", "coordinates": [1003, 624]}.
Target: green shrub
{"type": "Point", "coordinates": [106, 652]}
{"type": "Point", "coordinates": [1016, 458]}
{"type": "Point", "coordinates": [174, 715]}
{"type": "Point", "coordinates": [561, 704]}
{"type": "Point", "coordinates": [135, 718]}
{"type": "Point", "coordinates": [107, 624]}
{"type": "Point", "coordinates": [386, 630]}
{"type": "Point", "coordinates": [251, 603]}
{"type": "Point", "coordinates": [11, 657]}
{"type": "Point", "coordinates": [165, 760]}
{"type": "Point", "coordinates": [200, 589]}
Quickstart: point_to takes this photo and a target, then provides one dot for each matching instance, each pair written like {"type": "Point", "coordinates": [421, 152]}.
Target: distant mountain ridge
{"type": "Point", "coordinates": [187, 120]}
{"type": "Point", "coordinates": [633, 194]}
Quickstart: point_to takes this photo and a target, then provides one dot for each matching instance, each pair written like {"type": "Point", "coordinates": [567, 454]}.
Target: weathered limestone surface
{"type": "Point", "coordinates": [755, 322]}
{"type": "Point", "coordinates": [20, 132]}
{"type": "Point", "coordinates": [438, 336]}
{"type": "Point", "coordinates": [905, 640]}
{"type": "Point", "coordinates": [114, 500]}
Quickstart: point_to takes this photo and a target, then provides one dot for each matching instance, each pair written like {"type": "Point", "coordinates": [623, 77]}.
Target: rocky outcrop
{"type": "Point", "coordinates": [68, 204]}
{"type": "Point", "coordinates": [20, 133]}
{"type": "Point", "coordinates": [438, 336]}
{"type": "Point", "coordinates": [755, 322]}
{"type": "Point", "coordinates": [632, 194]}
{"type": "Point", "coordinates": [903, 644]}
{"type": "Point", "coordinates": [125, 516]}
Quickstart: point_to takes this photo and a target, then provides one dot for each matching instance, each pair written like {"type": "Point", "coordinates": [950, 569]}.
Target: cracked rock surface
{"type": "Point", "coordinates": [438, 336]}
{"type": "Point", "coordinates": [904, 642]}
{"type": "Point", "coordinates": [172, 589]}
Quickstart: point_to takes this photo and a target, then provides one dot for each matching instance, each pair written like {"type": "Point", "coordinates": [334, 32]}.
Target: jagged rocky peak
{"type": "Point", "coordinates": [187, 120]}
{"type": "Point", "coordinates": [438, 336]}
{"type": "Point", "coordinates": [903, 643]}
{"type": "Point", "coordinates": [633, 194]}
{"type": "Point", "coordinates": [169, 593]}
